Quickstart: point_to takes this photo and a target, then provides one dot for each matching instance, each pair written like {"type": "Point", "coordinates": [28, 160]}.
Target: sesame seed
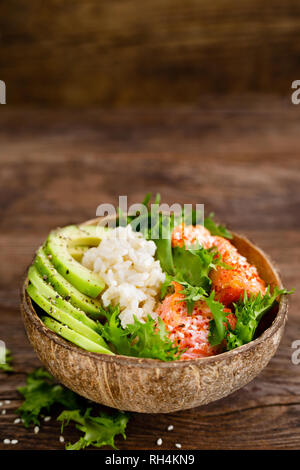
{"type": "Point", "coordinates": [6, 441]}
{"type": "Point", "coordinates": [159, 442]}
{"type": "Point", "coordinates": [1, 403]}
{"type": "Point", "coordinates": [7, 402]}
{"type": "Point", "coordinates": [47, 418]}
{"type": "Point", "coordinates": [61, 439]}
{"type": "Point", "coordinates": [36, 429]}
{"type": "Point", "coordinates": [3, 412]}
{"type": "Point", "coordinates": [17, 421]}
{"type": "Point", "coordinates": [178, 445]}
{"type": "Point", "coordinates": [14, 441]}
{"type": "Point", "coordinates": [171, 427]}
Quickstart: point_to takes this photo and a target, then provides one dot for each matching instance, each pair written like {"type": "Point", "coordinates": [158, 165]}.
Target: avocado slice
{"type": "Point", "coordinates": [64, 287]}
{"type": "Point", "coordinates": [56, 300]}
{"type": "Point", "coordinates": [78, 251]}
{"type": "Point", "coordinates": [85, 280]}
{"type": "Point", "coordinates": [65, 318]}
{"type": "Point", "coordinates": [74, 337]}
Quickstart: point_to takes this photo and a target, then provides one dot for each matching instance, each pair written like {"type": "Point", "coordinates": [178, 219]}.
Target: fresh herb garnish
{"type": "Point", "coordinates": [149, 339]}
{"type": "Point", "coordinates": [40, 393]}
{"type": "Point", "coordinates": [194, 264]}
{"type": "Point", "coordinates": [6, 366]}
{"type": "Point", "coordinates": [248, 312]}
{"type": "Point", "coordinates": [98, 430]}
{"type": "Point", "coordinates": [218, 326]}
{"type": "Point", "coordinates": [192, 267]}
{"type": "Point", "coordinates": [191, 295]}
{"type": "Point", "coordinates": [216, 229]}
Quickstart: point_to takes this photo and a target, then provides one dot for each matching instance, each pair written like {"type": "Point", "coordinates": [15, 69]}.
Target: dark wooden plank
{"type": "Point", "coordinates": [56, 169]}
{"type": "Point", "coordinates": [116, 53]}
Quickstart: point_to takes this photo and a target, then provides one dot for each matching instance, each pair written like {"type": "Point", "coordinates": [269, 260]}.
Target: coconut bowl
{"type": "Point", "coordinates": [152, 386]}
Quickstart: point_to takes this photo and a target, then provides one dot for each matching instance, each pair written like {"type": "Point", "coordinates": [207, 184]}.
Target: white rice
{"type": "Point", "coordinates": [125, 260]}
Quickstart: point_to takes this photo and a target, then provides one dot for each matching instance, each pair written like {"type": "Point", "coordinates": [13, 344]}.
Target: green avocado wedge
{"type": "Point", "coordinates": [77, 251]}
{"type": "Point", "coordinates": [74, 337]}
{"type": "Point", "coordinates": [86, 281]}
{"type": "Point", "coordinates": [63, 287]}
{"type": "Point", "coordinates": [56, 300]}
{"type": "Point", "coordinates": [65, 318]}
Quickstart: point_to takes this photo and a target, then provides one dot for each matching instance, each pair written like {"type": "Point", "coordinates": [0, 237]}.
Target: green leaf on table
{"type": "Point", "coordinates": [98, 430]}
{"type": "Point", "coordinates": [40, 393]}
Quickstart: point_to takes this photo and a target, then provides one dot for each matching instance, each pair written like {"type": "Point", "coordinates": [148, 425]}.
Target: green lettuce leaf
{"type": "Point", "coordinates": [216, 229]}
{"type": "Point", "coordinates": [192, 268]}
{"type": "Point", "coordinates": [40, 393]}
{"type": "Point", "coordinates": [248, 311]}
{"type": "Point", "coordinates": [149, 339]}
{"type": "Point", "coordinates": [193, 265]}
{"type": "Point", "coordinates": [98, 430]}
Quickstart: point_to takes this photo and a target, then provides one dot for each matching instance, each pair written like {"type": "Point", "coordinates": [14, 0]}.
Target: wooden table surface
{"type": "Point", "coordinates": [241, 159]}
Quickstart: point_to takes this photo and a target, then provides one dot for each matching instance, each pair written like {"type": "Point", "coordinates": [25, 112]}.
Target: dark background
{"type": "Point", "coordinates": [191, 99]}
{"type": "Point", "coordinates": [155, 52]}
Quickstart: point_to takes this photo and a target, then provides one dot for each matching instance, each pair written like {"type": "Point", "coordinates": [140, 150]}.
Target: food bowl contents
{"type": "Point", "coordinates": [190, 332]}
{"type": "Point", "coordinates": [121, 290]}
{"type": "Point", "coordinates": [133, 277]}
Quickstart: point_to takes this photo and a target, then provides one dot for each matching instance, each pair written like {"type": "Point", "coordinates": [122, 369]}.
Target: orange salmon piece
{"type": "Point", "coordinates": [190, 234]}
{"type": "Point", "coordinates": [186, 331]}
{"type": "Point", "coordinates": [229, 285]}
